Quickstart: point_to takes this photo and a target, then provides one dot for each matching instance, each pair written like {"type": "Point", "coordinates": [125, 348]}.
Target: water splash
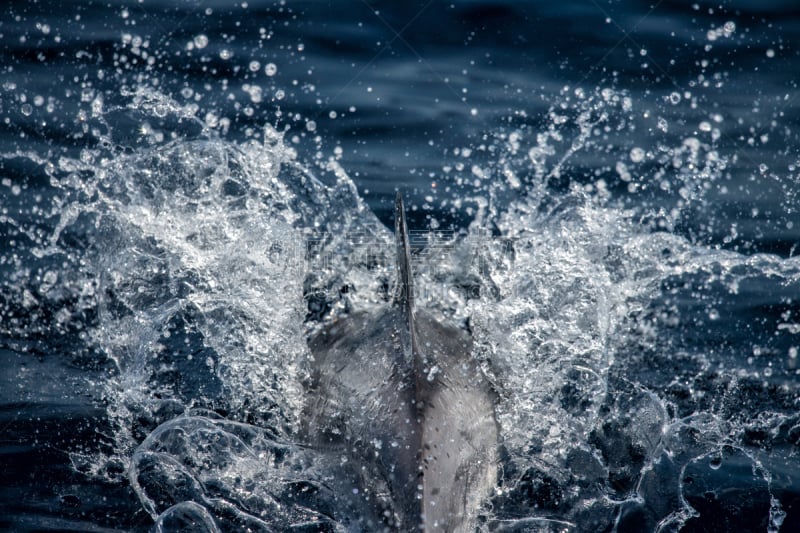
{"type": "Point", "coordinates": [203, 263]}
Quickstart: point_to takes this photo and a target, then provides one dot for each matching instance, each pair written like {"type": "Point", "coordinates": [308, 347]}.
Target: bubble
{"type": "Point", "coordinates": [270, 69]}
{"type": "Point", "coordinates": [473, 112]}
{"type": "Point", "coordinates": [26, 109]}
{"type": "Point", "coordinates": [254, 66]}
{"type": "Point", "coordinates": [675, 98]}
{"type": "Point", "coordinates": [279, 94]}
{"type": "Point", "coordinates": [770, 53]}
{"type": "Point", "coordinates": [201, 41]}
{"type": "Point", "coordinates": [713, 314]}
{"type": "Point", "coordinates": [705, 126]}
{"type": "Point", "coordinates": [225, 54]}
{"type": "Point", "coordinates": [311, 125]}
{"type": "Point", "coordinates": [332, 114]}
{"type": "Point", "coordinates": [637, 155]}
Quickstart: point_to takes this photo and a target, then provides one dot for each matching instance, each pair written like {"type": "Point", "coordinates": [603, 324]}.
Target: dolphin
{"type": "Point", "coordinates": [404, 415]}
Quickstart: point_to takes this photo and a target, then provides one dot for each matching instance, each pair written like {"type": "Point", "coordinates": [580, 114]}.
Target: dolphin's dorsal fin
{"type": "Point", "coordinates": [404, 295]}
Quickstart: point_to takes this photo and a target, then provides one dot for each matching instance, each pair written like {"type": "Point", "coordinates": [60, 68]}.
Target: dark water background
{"type": "Point", "coordinates": [640, 159]}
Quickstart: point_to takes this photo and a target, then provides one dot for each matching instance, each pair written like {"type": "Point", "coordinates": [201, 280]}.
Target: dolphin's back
{"type": "Point", "coordinates": [398, 400]}
{"type": "Point", "coordinates": [459, 439]}
{"type": "Point", "coordinates": [362, 410]}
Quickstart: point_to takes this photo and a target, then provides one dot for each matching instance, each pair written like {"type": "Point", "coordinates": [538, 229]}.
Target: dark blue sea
{"type": "Point", "coordinates": [604, 193]}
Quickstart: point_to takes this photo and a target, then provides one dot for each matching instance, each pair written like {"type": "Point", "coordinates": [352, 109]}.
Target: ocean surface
{"type": "Point", "coordinates": [603, 193]}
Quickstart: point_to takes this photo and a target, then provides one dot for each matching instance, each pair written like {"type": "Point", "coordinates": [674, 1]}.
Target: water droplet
{"type": "Point", "coordinates": [212, 120]}
{"type": "Point", "coordinates": [48, 281]}
{"type": "Point", "coordinates": [200, 41]}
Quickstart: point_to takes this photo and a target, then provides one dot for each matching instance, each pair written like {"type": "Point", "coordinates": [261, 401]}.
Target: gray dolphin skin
{"type": "Point", "coordinates": [405, 414]}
